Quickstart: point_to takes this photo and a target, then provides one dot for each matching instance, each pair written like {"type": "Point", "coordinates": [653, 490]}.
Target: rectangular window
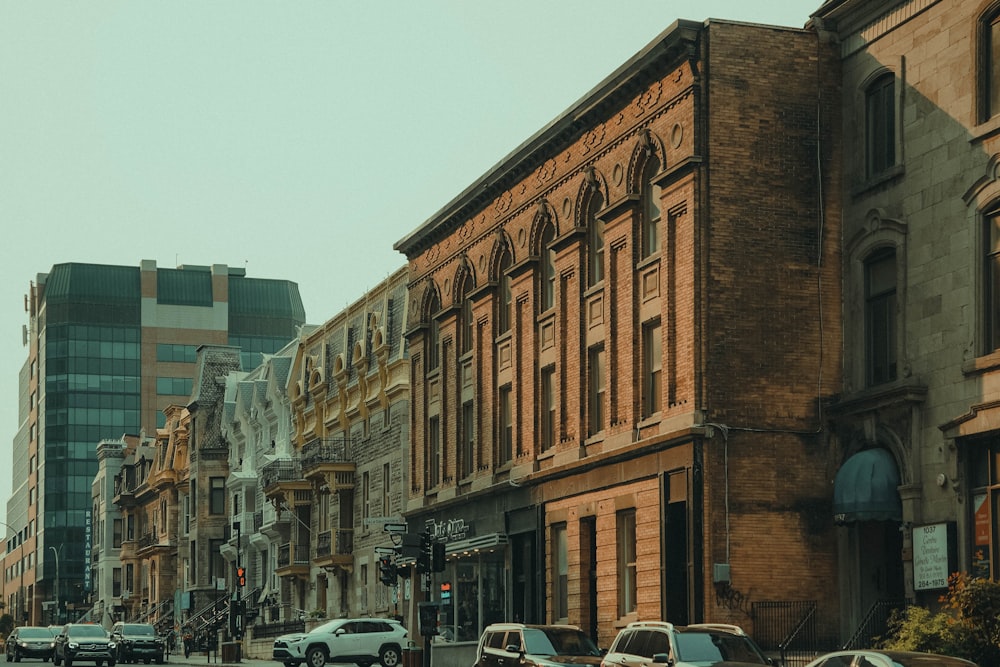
{"type": "Point", "coordinates": [386, 500]}
{"type": "Point", "coordinates": [468, 438]}
{"type": "Point", "coordinates": [366, 499]}
{"type": "Point", "coordinates": [217, 561]}
{"type": "Point", "coordinates": [116, 538]}
{"type": "Point", "coordinates": [433, 452]}
{"type": "Point", "coordinates": [129, 578]}
{"type": "Point", "coordinates": [548, 407]}
{"type": "Point", "coordinates": [983, 475]}
{"type": "Point", "coordinates": [560, 574]}
{"type": "Point", "coordinates": [217, 495]}
{"type": "Point", "coordinates": [177, 353]}
{"type": "Point", "coordinates": [991, 265]}
{"type": "Point", "coordinates": [626, 562]}
{"type": "Point", "coordinates": [652, 367]}
{"type": "Point", "coordinates": [506, 439]}
{"type": "Point", "coordinates": [116, 582]}
{"type": "Point", "coordinates": [880, 120]}
{"type": "Point", "coordinates": [166, 386]}
{"type": "Point", "coordinates": [880, 316]}
{"type": "Point", "coordinates": [596, 388]}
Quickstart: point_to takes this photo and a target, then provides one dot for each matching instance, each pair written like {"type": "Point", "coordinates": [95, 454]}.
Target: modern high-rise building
{"type": "Point", "coordinates": [109, 347]}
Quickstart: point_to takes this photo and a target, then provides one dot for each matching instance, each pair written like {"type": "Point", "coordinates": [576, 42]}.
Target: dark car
{"type": "Point", "coordinates": [83, 642]}
{"type": "Point", "coordinates": [138, 641]}
{"type": "Point", "coordinates": [29, 641]}
{"type": "Point", "coordinates": [535, 646]}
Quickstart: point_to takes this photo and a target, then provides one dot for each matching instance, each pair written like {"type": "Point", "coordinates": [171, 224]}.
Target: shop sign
{"type": "Point", "coordinates": [448, 530]}
{"type": "Point", "coordinates": [933, 555]}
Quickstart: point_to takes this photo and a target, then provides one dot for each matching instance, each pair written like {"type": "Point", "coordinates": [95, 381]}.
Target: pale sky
{"type": "Point", "coordinates": [298, 139]}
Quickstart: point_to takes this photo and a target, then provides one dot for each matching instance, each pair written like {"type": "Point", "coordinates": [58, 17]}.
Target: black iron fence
{"type": "Point", "coordinates": [788, 629]}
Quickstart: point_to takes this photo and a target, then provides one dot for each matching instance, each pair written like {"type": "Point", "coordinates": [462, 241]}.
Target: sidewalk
{"type": "Point", "coordinates": [215, 660]}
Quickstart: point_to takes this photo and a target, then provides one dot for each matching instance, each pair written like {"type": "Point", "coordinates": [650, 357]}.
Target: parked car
{"type": "Point", "coordinates": [503, 644]}
{"type": "Point", "coordinates": [83, 642]}
{"type": "Point", "coordinates": [29, 641]}
{"type": "Point", "coordinates": [705, 644]}
{"type": "Point", "coordinates": [363, 641]}
{"type": "Point", "coordinates": [880, 658]}
{"type": "Point", "coordinates": [138, 641]}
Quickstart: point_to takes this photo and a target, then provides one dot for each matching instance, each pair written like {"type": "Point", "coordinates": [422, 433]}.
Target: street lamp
{"type": "Point", "coordinates": [56, 552]}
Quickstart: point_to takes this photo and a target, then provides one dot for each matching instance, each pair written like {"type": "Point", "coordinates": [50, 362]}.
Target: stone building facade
{"type": "Point", "coordinates": [919, 411]}
{"type": "Point", "coordinates": [349, 394]}
{"type": "Point", "coordinates": [621, 339]}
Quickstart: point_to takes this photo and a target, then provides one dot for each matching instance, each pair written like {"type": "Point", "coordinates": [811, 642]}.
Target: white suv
{"type": "Point", "coordinates": [704, 644]}
{"type": "Point", "coordinates": [363, 641]}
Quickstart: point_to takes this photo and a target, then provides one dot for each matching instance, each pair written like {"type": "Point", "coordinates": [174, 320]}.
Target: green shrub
{"type": "Point", "coordinates": [967, 627]}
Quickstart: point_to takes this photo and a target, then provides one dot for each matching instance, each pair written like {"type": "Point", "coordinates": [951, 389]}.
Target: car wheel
{"type": "Point", "coordinates": [316, 657]}
{"type": "Point", "coordinates": [389, 656]}
{"type": "Point", "coordinates": [111, 663]}
{"type": "Point", "coordinates": [99, 663]}
{"type": "Point", "coordinates": [146, 661]}
{"type": "Point", "coordinates": [69, 661]}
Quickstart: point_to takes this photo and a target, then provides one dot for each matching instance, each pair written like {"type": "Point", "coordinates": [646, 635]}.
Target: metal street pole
{"type": "Point", "coordinates": [56, 552]}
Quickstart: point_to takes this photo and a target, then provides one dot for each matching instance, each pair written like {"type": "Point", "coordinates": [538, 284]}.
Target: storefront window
{"type": "Point", "coordinates": [471, 592]}
{"type": "Point", "coordinates": [984, 477]}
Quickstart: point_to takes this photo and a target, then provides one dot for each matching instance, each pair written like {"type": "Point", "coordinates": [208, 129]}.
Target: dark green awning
{"type": "Point", "coordinates": [866, 488]}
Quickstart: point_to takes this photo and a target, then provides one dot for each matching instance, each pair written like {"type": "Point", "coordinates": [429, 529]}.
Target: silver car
{"type": "Point", "coordinates": [880, 658]}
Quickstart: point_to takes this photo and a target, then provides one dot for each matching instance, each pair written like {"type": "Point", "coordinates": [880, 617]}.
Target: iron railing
{"type": "Point", "coordinates": [788, 628]}
{"type": "Point", "coordinates": [875, 623]}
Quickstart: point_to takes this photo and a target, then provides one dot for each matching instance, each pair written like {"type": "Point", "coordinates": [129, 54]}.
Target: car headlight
{"type": "Point", "coordinates": [73, 645]}
{"type": "Point", "coordinates": [111, 644]}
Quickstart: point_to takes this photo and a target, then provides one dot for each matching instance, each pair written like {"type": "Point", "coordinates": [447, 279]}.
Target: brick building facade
{"type": "Point", "coordinates": [621, 338]}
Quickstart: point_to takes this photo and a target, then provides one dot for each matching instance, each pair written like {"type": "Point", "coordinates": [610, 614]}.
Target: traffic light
{"type": "Point", "coordinates": [428, 617]}
{"type": "Point", "coordinates": [437, 557]}
{"type": "Point", "coordinates": [424, 557]}
{"type": "Point", "coordinates": [241, 576]}
{"type": "Point", "coordinates": [387, 571]}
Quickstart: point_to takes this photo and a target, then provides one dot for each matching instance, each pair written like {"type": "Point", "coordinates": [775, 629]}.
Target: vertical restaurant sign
{"type": "Point", "coordinates": [931, 556]}
{"type": "Point", "coordinates": [88, 534]}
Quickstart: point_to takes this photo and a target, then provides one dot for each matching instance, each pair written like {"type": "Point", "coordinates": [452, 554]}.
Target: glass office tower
{"type": "Point", "coordinates": [109, 348]}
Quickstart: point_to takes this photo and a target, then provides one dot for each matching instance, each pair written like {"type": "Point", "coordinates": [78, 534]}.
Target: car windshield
{"type": "Point", "coordinates": [34, 633]}
{"type": "Point", "coordinates": [558, 641]}
{"type": "Point", "coordinates": [708, 648]}
{"type": "Point", "coordinates": [87, 631]}
{"type": "Point", "coordinates": [143, 630]}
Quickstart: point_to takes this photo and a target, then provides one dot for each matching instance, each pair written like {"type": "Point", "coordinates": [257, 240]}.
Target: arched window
{"type": "Point", "coordinates": [650, 197]}
{"type": "Point", "coordinates": [548, 278]}
{"type": "Point", "coordinates": [466, 316]}
{"type": "Point", "coordinates": [595, 241]}
{"type": "Point", "coordinates": [433, 335]}
{"type": "Point", "coordinates": [988, 64]}
{"type": "Point", "coordinates": [880, 125]}
{"type": "Point", "coordinates": [880, 316]}
{"type": "Point", "coordinates": [506, 294]}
